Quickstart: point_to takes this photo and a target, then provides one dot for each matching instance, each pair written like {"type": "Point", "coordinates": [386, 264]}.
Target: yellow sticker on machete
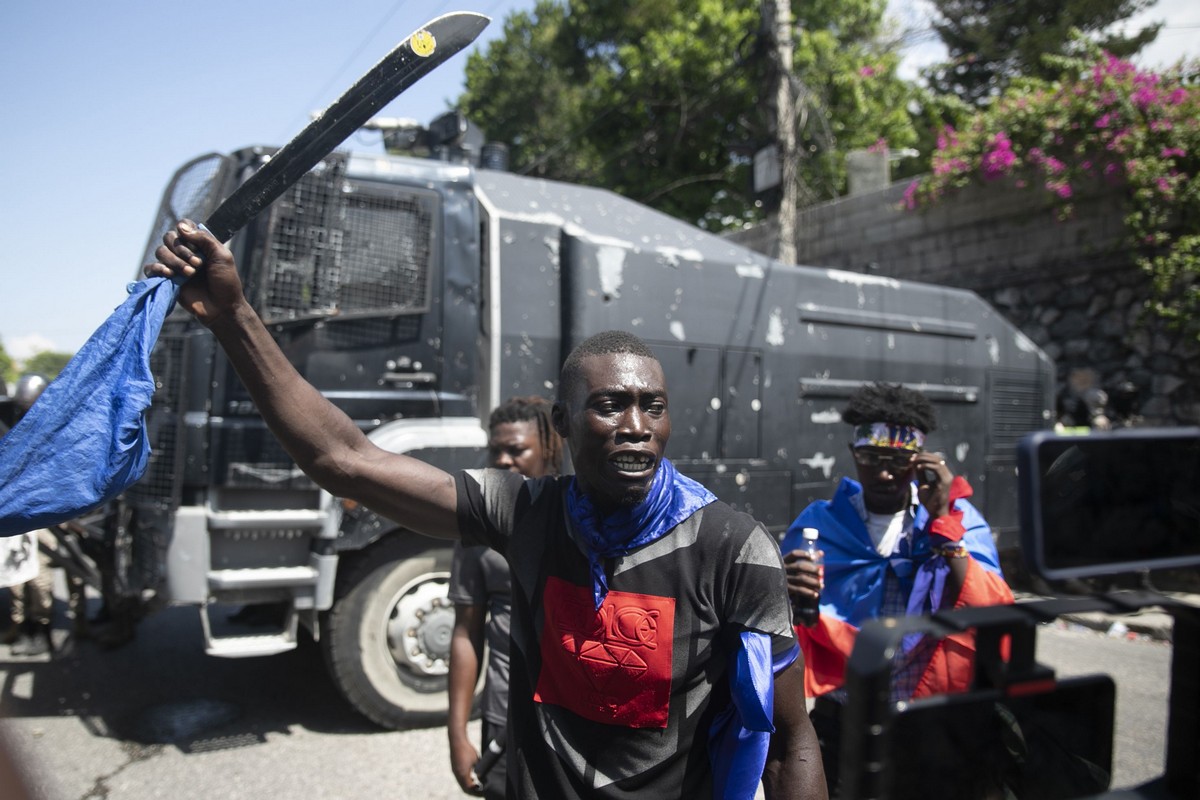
{"type": "Point", "coordinates": [423, 43]}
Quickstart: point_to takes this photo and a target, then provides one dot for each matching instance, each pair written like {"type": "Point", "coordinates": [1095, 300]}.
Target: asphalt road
{"type": "Point", "coordinates": [159, 719]}
{"type": "Point", "coordinates": [1141, 669]}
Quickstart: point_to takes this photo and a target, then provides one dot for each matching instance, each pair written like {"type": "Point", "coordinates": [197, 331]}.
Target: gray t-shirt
{"type": "Point", "coordinates": [619, 702]}
{"type": "Point", "coordinates": [479, 577]}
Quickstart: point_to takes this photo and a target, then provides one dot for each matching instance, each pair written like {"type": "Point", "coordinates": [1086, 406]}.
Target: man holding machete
{"type": "Point", "coordinates": [90, 422]}
{"type": "Point", "coordinates": [652, 650]}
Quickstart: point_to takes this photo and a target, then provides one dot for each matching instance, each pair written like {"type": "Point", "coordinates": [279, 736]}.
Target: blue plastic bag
{"type": "Point", "coordinates": [84, 441]}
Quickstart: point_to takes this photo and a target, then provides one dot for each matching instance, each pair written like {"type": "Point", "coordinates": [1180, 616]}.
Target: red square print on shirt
{"type": "Point", "coordinates": [611, 665]}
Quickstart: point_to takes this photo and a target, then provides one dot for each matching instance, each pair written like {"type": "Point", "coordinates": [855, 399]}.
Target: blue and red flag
{"type": "Point", "coordinates": [855, 581]}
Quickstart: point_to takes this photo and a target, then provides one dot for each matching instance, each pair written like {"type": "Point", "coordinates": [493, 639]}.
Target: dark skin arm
{"type": "Point", "coordinates": [794, 770]}
{"type": "Point", "coordinates": [322, 440]}
{"type": "Point", "coordinates": [466, 655]}
{"type": "Point", "coordinates": [934, 495]}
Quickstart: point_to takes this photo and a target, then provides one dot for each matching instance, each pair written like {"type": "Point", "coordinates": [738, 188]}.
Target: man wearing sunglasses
{"type": "Point", "coordinates": [901, 539]}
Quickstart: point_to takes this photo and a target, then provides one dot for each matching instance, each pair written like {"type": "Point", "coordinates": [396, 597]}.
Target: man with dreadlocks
{"type": "Point", "coordinates": [651, 651]}
{"type": "Point", "coordinates": [521, 439]}
{"type": "Point", "coordinates": [902, 539]}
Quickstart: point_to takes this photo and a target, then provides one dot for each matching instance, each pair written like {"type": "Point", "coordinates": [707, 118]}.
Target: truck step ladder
{"type": "Point", "coordinates": [267, 643]}
{"type": "Point", "coordinates": [261, 578]}
{"type": "Point", "coordinates": [248, 645]}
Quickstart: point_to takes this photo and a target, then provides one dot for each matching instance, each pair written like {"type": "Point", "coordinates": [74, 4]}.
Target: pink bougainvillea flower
{"type": "Point", "coordinates": [1137, 129]}
{"type": "Point", "coordinates": [998, 157]}
{"type": "Point", "coordinates": [947, 138]}
{"type": "Point", "coordinates": [1145, 97]}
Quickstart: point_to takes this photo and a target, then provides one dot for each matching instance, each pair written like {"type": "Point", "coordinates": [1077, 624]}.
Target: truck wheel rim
{"type": "Point", "coordinates": [420, 625]}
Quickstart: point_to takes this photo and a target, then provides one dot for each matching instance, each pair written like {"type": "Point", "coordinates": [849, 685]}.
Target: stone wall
{"type": "Point", "coordinates": [1069, 285]}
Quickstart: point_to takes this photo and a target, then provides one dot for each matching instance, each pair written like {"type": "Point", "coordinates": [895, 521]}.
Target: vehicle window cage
{"type": "Point", "coordinates": [193, 193]}
{"type": "Point", "coordinates": [335, 250]}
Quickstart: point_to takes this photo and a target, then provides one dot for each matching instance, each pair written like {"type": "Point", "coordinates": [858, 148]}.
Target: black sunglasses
{"type": "Point", "coordinates": [896, 461]}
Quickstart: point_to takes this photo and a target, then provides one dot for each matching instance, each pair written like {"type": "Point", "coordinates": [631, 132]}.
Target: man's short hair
{"type": "Point", "coordinates": [890, 403]}
{"type": "Point", "coordinates": [601, 344]}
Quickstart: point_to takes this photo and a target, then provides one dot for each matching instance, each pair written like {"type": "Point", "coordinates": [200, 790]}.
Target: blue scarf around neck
{"type": "Point", "coordinates": [672, 499]}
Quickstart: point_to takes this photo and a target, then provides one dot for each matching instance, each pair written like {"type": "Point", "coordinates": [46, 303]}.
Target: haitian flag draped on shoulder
{"type": "Point", "coordinates": [84, 441]}
{"type": "Point", "coordinates": [855, 575]}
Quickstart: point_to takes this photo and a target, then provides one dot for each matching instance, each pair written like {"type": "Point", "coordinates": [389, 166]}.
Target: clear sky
{"type": "Point", "coordinates": [103, 101]}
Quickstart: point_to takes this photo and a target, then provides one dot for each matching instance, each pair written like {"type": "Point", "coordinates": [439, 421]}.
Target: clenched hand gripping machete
{"type": "Point", "coordinates": [85, 440]}
{"type": "Point", "coordinates": [411, 60]}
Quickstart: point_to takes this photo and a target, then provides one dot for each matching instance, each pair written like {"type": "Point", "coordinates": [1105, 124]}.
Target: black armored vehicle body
{"type": "Point", "coordinates": [419, 294]}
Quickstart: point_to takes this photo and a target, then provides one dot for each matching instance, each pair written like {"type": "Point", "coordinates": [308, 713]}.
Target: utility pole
{"type": "Point", "coordinates": [778, 15]}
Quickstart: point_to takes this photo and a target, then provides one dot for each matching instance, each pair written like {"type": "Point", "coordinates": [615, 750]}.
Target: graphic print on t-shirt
{"type": "Point", "coordinates": [612, 665]}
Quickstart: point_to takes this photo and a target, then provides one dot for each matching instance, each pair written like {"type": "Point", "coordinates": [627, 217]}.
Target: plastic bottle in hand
{"type": "Point", "coordinates": [806, 608]}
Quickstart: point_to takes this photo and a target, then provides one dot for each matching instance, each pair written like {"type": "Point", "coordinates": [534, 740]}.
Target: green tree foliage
{"type": "Point", "coordinates": [852, 97]}
{"type": "Point", "coordinates": [990, 43]}
{"type": "Point", "coordinates": [47, 362]}
{"type": "Point", "coordinates": [931, 114]}
{"type": "Point", "coordinates": [665, 101]}
{"type": "Point", "coordinates": [526, 92]}
{"type": "Point", "coordinates": [1104, 123]}
{"type": "Point", "coordinates": [678, 94]}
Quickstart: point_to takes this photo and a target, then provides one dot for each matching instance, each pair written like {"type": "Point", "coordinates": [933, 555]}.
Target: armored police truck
{"type": "Point", "coordinates": [418, 294]}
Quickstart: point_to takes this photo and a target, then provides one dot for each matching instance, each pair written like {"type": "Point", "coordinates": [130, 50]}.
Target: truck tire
{"type": "Point", "coordinates": [386, 640]}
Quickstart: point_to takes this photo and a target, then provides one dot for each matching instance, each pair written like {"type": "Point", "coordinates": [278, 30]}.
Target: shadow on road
{"type": "Point", "coordinates": [161, 688]}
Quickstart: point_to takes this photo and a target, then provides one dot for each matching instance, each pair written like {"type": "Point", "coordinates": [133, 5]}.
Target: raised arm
{"type": "Point", "coordinates": [322, 440]}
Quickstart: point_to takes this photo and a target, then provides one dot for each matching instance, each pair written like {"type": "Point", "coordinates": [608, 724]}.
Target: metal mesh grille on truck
{"type": "Point", "coordinates": [335, 249]}
{"type": "Point", "coordinates": [193, 194]}
{"type": "Point", "coordinates": [327, 247]}
{"type": "Point", "coordinates": [159, 484]}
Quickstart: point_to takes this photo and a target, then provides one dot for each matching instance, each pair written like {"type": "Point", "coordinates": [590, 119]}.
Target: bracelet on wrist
{"type": "Point", "coordinates": [953, 550]}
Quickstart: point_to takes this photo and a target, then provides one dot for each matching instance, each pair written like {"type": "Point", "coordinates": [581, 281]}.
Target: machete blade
{"type": "Point", "coordinates": [412, 59]}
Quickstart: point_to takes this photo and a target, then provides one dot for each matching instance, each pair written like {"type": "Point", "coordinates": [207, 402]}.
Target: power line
{"type": "Point", "coordinates": [362, 46]}
{"type": "Point", "coordinates": [354, 55]}
{"type": "Point", "coordinates": [488, 11]}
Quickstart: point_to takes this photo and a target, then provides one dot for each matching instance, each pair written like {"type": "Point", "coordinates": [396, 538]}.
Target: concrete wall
{"type": "Point", "coordinates": [1069, 285]}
